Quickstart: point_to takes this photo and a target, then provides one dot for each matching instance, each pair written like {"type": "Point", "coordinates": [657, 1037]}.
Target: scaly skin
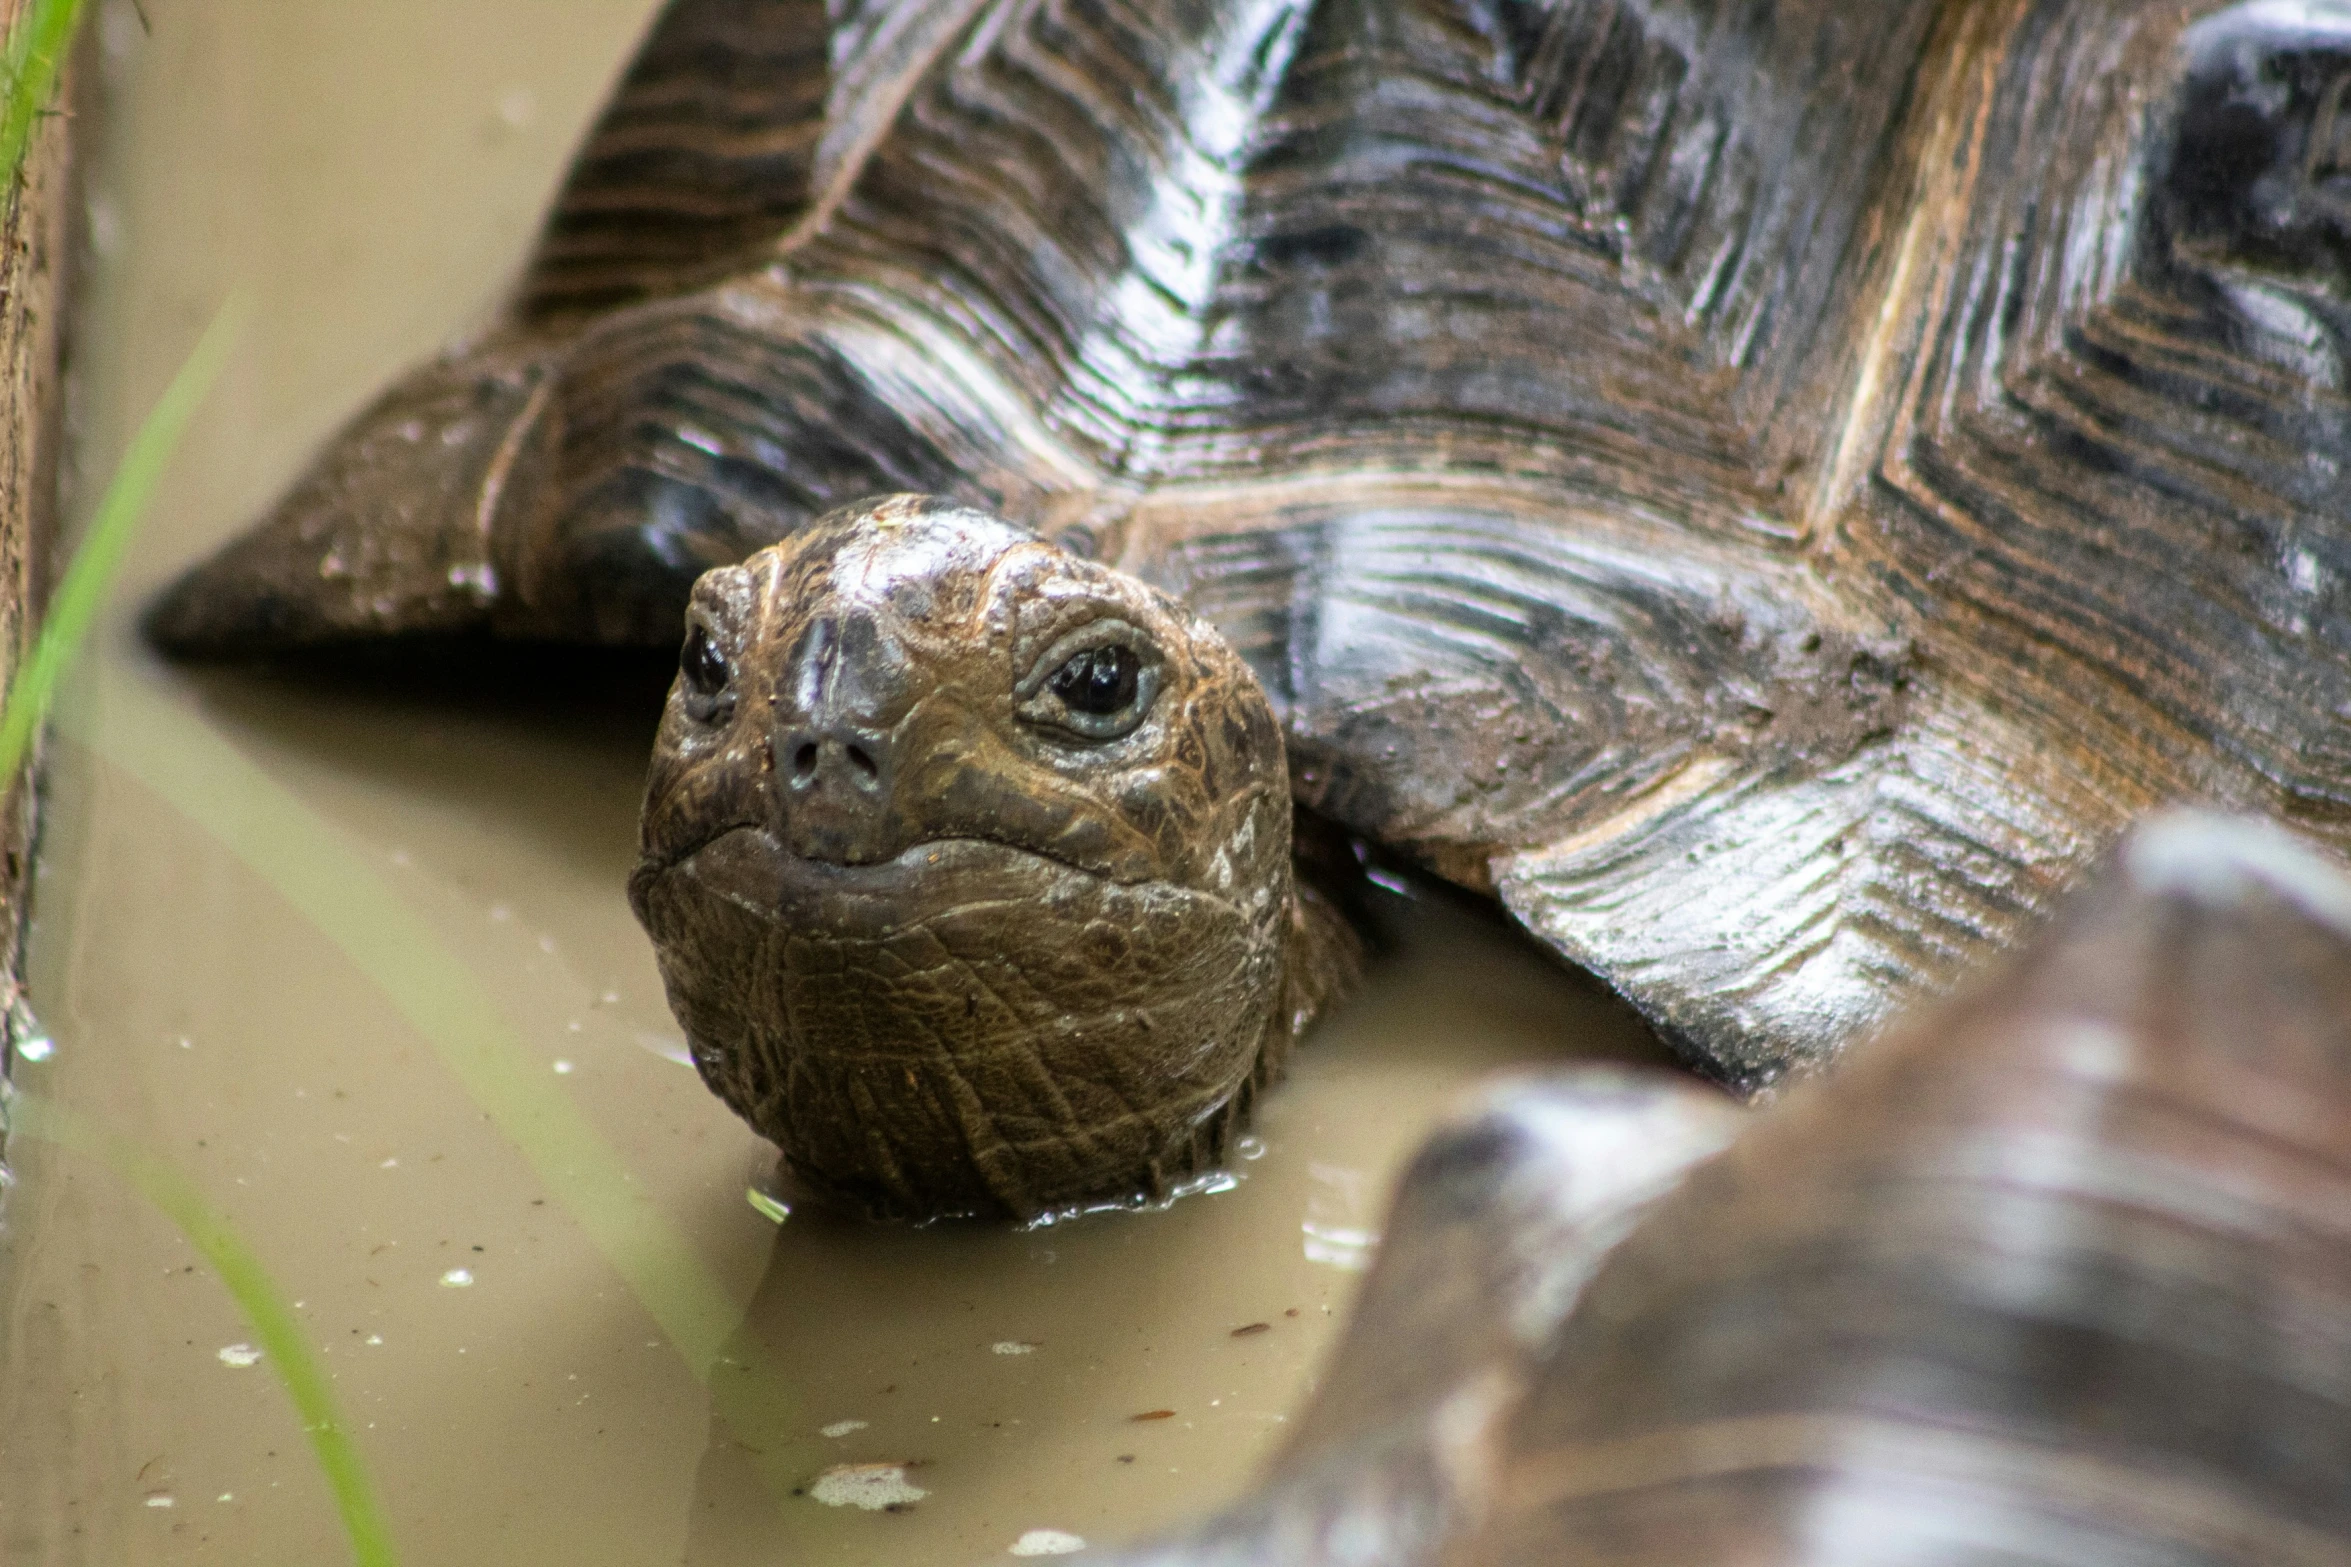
{"type": "Point", "coordinates": [951, 951]}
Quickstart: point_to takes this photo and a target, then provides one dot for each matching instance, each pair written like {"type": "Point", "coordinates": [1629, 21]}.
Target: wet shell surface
{"type": "Point", "coordinates": [2059, 1271]}
{"type": "Point", "coordinates": [1767, 491]}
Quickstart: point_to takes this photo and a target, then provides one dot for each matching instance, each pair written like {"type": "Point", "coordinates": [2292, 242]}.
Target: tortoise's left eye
{"type": "Point", "coordinates": [706, 676]}
{"type": "Point", "coordinates": [1096, 683]}
{"type": "Point", "coordinates": [1099, 681]}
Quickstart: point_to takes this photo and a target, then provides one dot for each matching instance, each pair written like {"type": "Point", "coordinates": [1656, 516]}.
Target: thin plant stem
{"type": "Point", "coordinates": [317, 870]}
{"type": "Point", "coordinates": [83, 589]}
{"type": "Point", "coordinates": [279, 1332]}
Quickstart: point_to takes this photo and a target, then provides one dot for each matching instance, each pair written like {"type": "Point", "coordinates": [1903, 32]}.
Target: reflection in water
{"type": "Point", "coordinates": [367, 172]}
{"type": "Point", "coordinates": [1339, 1211]}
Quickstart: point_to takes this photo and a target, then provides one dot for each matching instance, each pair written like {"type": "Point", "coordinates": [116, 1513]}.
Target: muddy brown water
{"type": "Point", "coordinates": [370, 174]}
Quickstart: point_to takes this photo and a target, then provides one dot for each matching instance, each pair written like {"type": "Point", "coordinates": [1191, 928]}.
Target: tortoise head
{"type": "Point", "coordinates": [967, 863]}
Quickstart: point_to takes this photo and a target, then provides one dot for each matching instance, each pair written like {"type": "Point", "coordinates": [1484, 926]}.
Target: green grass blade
{"type": "Point", "coordinates": [29, 64]}
{"type": "Point", "coordinates": [95, 563]}
{"type": "Point", "coordinates": [321, 874]}
{"type": "Point", "coordinates": [275, 1327]}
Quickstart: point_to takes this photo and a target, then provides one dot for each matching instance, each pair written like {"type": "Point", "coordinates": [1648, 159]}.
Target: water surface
{"type": "Point", "coordinates": [371, 173]}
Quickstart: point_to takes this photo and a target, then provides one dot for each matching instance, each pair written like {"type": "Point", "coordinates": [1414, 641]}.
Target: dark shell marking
{"type": "Point", "coordinates": [2056, 1273]}
{"type": "Point", "coordinates": [1766, 490]}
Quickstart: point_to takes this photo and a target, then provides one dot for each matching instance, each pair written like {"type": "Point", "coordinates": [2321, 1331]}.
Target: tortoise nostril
{"type": "Point", "coordinates": [804, 760]}
{"type": "Point", "coordinates": [864, 763]}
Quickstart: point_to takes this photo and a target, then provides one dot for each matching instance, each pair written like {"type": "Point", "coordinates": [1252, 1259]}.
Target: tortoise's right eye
{"type": "Point", "coordinates": [706, 676]}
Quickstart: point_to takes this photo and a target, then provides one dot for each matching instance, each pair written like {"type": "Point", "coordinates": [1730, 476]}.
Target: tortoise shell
{"type": "Point", "coordinates": [1766, 491]}
{"type": "Point", "coordinates": [2055, 1273]}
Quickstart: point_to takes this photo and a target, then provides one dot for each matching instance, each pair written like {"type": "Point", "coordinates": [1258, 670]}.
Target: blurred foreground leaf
{"type": "Point", "coordinates": [29, 63]}
{"type": "Point", "coordinates": [283, 1343]}
{"type": "Point", "coordinates": [84, 588]}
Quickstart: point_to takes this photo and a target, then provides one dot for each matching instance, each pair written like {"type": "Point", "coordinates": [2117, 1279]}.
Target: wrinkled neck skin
{"type": "Point", "coordinates": [967, 863]}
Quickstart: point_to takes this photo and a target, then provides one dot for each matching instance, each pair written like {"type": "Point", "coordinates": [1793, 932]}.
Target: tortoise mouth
{"type": "Point", "coordinates": [750, 868]}
{"type": "Point", "coordinates": [969, 1027]}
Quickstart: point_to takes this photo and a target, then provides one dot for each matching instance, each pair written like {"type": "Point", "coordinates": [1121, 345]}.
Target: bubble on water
{"type": "Point", "coordinates": [162, 1499]}
{"type": "Point", "coordinates": [843, 1427]}
{"type": "Point", "coordinates": [563, 1069]}
{"type": "Point", "coordinates": [375, 1338]}
{"type": "Point", "coordinates": [239, 1355]}
{"type": "Point", "coordinates": [457, 1278]}
{"type": "Point", "coordinates": [1046, 1542]}
{"type": "Point", "coordinates": [870, 1486]}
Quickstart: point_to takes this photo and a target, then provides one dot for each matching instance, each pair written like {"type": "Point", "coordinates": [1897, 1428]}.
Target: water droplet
{"type": "Point", "coordinates": [25, 1033]}
{"type": "Point", "coordinates": [457, 1279]}
{"type": "Point", "coordinates": [239, 1355]}
{"type": "Point", "coordinates": [517, 106]}
{"type": "Point", "coordinates": [1046, 1542]}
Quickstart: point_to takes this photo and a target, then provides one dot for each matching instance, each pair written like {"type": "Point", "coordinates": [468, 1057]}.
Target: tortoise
{"type": "Point", "coordinates": [1764, 492]}
{"type": "Point", "coordinates": [2055, 1272]}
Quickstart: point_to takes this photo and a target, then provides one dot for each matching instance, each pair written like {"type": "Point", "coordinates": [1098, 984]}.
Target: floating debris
{"type": "Point", "coordinates": [1047, 1542]}
{"type": "Point", "coordinates": [1252, 1327]}
{"type": "Point", "coordinates": [874, 1487]}
{"type": "Point", "coordinates": [843, 1427]}
{"type": "Point", "coordinates": [1015, 1346]}
{"type": "Point", "coordinates": [239, 1355]}
{"type": "Point", "coordinates": [1154, 1414]}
